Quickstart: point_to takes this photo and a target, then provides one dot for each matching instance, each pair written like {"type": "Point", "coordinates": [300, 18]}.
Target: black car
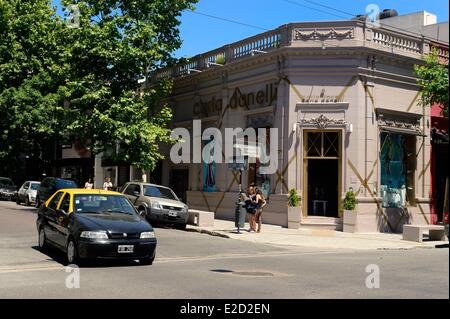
{"type": "Point", "coordinates": [8, 190]}
{"type": "Point", "coordinates": [95, 224]}
{"type": "Point", "coordinates": [51, 185]}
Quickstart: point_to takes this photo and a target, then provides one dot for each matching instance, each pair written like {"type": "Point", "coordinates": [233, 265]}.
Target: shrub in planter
{"type": "Point", "coordinates": [349, 201]}
{"type": "Point", "coordinates": [221, 59]}
{"type": "Point", "coordinates": [293, 210]}
{"type": "Point", "coordinates": [350, 215]}
{"type": "Point", "coordinates": [293, 199]}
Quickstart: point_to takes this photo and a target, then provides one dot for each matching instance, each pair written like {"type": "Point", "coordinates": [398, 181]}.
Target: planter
{"type": "Point", "coordinates": [350, 221]}
{"type": "Point", "coordinates": [294, 217]}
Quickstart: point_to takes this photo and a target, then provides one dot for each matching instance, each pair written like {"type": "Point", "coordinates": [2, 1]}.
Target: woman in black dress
{"type": "Point", "coordinates": [260, 202]}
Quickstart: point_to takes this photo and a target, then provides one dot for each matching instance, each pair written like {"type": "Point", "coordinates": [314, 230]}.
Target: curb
{"type": "Point", "coordinates": [219, 234]}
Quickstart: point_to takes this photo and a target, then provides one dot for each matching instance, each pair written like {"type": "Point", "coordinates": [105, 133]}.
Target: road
{"type": "Point", "coordinates": [192, 265]}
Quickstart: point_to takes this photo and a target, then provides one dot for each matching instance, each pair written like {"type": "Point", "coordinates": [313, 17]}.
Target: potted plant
{"type": "Point", "coordinates": [221, 59]}
{"type": "Point", "coordinates": [293, 210]}
{"type": "Point", "coordinates": [350, 215]}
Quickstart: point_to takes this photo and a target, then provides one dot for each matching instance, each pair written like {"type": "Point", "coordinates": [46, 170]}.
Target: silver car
{"type": "Point", "coordinates": [157, 203]}
{"type": "Point", "coordinates": [27, 193]}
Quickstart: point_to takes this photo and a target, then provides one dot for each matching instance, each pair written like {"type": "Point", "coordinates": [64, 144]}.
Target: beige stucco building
{"type": "Point", "coordinates": [345, 101]}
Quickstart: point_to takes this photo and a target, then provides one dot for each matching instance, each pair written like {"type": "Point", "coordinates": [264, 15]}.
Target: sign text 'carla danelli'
{"type": "Point", "coordinates": [266, 96]}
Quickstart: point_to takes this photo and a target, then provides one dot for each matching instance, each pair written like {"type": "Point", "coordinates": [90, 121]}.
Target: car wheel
{"type": "Point", "coordinates": [42, 240]}
{"type": "Point", "coordinates": [71, 253]}
{"type": "Point", "coordinates": [27, 201]}
{"type": "Point", "coordinates": [142, 211]}
{"type": "Point", "coordinates": [181, 226]}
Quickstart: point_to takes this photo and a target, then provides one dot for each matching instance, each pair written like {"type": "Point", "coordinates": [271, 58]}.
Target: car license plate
{"type": "Point", "coordinates": [173, 214]}
{"type": "Point", "coordinates": [124, 249]}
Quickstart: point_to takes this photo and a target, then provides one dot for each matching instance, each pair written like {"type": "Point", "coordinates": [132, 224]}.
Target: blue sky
{"type": "Point", "coordinates": [201, 33]}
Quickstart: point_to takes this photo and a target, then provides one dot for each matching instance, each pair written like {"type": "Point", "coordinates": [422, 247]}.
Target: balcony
{"type": "Point", "coordinates": [308, 35]}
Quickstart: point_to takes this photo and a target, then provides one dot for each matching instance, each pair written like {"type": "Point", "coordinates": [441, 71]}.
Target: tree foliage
{"type": "Point", "coordinates": [80, 81]}
{"type": "Point", "coordinates": [433, 80]}
{"type": "Point", "coordinates": [30, 79]}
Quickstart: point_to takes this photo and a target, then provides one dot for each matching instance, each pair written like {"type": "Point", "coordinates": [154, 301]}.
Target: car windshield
{"type": "Point", "coordinates": [34, 186]}
{"type": "Point", "coordinates": [6, 182]}
{"type": "Point", "coordinates": [64, 183]}
{"type": "Point", "coordinates": [94, 203]}
{"type": "Point", "coordinates": [160, 192]}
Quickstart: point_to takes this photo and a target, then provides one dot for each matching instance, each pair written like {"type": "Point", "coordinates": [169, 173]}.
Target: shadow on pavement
{"type": "Point", "coordinates": [56, 255]}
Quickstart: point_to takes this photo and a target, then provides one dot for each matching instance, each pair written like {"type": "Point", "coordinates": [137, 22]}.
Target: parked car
{"type": "Point", "coordinates": [8, 190]}
{"type": "Point", "coordinates": [95, 224]}
{"type": "Point", "coordinates": [27, 193]}
{"type": "Point", "coordinates": [49, 186]}
{"type": "Point", "coordinates": [158, 203]}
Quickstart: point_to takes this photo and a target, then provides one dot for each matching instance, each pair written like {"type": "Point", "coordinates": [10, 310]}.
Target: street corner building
{"type": "Point", "coordinates": [345, 102]}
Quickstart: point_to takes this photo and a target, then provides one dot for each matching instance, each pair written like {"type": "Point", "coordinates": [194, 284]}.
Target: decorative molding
{"type": "Point", "coordinates": [322, 122]}
{"type": "Point", "coordinates": [322, 106]}
{"type": "Point", "coordinates": [324, 34]}
{"type": "Point", "coordinates": [392, 123]}
{"type": "Point", "coordinates": [397, 120]}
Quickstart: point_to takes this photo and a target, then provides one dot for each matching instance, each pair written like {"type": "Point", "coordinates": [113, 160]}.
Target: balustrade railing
{"type": "Point", "coordinates": [296, 34]}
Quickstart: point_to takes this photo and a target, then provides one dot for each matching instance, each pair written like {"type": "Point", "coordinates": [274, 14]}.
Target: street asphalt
{"type": "Point", "coordinates": [192, 265]}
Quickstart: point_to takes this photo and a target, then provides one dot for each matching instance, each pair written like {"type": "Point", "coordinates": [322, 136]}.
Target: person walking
{"type": "Point", "coordinates": [89, 184]}
{"type": "Point", "coordinates": [250, 206]}
{"type": "Point", "coordinates": [107, 185]}
{"type": "Point", "coordinates": [260, 203]}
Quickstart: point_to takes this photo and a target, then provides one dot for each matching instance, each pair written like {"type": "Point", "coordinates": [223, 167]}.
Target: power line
{"type": "Point", "coordinates": [315, 9]}
{"type": "Point", "coordinates": [325, 6]}
{"type": "Point", "coordinates": [229, 20]}
{"type": "Point", "coordinates": [245, 24]}
{"type": "Point", "coordinates": [352, 15]}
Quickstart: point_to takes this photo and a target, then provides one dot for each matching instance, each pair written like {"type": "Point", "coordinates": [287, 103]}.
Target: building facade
{"type": "Point", "coordinates": [344, 100]}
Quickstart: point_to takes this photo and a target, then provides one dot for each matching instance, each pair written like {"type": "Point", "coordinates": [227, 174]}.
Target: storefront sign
{"type": "Point", "coordinates": [265, 97]}
{"type": "Point", "coordinates": [323, 98]}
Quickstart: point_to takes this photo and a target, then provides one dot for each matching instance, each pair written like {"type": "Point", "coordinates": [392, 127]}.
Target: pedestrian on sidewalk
{"type": "Point", "coordinates": [250, 205]}
{"type": "Point", "coordinates": [260, 203]}
{"type": "Point", "coordinates": [107, 185]}
{"type": "Point", "coordinates": [89, 184]}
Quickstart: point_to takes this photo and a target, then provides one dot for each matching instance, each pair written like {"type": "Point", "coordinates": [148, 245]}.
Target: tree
{"type": "Point", "coordinates": [433, 80]}
{"type": "Point", "coordinates": [30, 79]}
{"type": "Point", "coordinates": [79, 82]}
{"type": "Point", "coordinates": [116, 44]}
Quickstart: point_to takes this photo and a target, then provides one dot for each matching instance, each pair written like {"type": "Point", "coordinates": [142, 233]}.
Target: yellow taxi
{"type": "Point", "coordinates": [95, 224]}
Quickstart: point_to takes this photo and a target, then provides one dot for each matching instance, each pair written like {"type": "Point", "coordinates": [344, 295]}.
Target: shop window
{"type": "Point", "coordinates": [255, 177]}
{"type": "Point", "coordinates": [209, 169]}
{"type": "Point", "coordinates": [398, 165]}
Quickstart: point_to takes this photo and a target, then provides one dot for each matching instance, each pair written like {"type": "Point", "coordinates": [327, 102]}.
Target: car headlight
{"type": "Point", "coordinates": [94, 235]}
{"type": "Point", "coordinates": [147, 234]}
{"type": "Point", "coordinates": [156, 205]}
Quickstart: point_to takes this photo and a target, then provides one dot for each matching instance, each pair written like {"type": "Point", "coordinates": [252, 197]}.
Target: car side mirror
{"type": "Point", "coordinates": [136, 193]}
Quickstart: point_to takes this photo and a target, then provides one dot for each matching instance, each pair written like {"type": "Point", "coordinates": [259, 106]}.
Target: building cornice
{"type": "Point", "coordinates": [313, 38]}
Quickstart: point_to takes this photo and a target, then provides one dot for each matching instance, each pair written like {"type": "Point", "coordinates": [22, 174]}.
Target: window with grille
{"type": "Point", "coordinates": [322, 145]}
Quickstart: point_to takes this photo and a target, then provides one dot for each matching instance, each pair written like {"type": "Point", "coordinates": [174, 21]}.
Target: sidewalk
{"type": "Point", "coordinates": [277, 235]}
